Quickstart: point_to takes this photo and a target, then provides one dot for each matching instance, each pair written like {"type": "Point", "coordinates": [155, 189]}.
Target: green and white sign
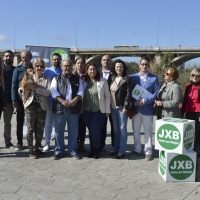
{"type": "Point", "coordinates": [174, 135]}
{"type": "Point", "coordinates": [177, 167]}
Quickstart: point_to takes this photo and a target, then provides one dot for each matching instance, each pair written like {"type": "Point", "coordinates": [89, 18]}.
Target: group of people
{"type": "Point", "coordinates": [87, 96]}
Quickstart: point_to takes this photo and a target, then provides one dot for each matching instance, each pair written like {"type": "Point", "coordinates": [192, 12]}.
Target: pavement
{"type": "Point", "coordinates": [105, 178]}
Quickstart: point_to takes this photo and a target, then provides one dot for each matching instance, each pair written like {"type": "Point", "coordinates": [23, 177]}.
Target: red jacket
{"type": "Point", "coordinates": [190, 100]}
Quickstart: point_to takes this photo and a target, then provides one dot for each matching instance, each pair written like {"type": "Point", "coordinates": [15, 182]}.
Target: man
{"type": "Point", "coordinates": [8, 69]}
{"type": "Point", "coordinates": [49, 122]}
{"type": "Point", "coordinates": [18, 74]}
{"type": "Point", "coordinates": [105, 72]}
{"type": "Point", "coordinates": [144, 108]}
{"type": "Point", "coordinates": [67, 91]}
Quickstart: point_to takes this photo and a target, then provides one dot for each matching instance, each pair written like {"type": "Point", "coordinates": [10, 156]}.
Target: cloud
{"type": "Point", "coordinates": [63, 38]}
{"type": "Point", "coordinates": [193, 29]}
{"type": "Point", "coordinates": [3, 38]}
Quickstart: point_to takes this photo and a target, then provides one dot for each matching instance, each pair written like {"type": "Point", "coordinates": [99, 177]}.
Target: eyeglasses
{"type": "Point", "coordinates": [144, 64]}
{"type": "Point", "coordinates": [167, 74]}
{"type": "Point", "coordinates": [41, 66]}
{"type": "Point", "coordinates": [195, 75]}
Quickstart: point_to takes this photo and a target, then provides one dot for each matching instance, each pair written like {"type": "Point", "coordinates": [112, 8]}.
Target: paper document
{"type": "Point", "coordinates": [140, 92]}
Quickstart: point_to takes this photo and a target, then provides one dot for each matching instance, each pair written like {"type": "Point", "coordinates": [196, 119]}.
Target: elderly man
{"type": "Point", "coordinates": [144, 108]}
{"type": "Point", "coordinates": [67, 92]}
{"type": "Point", "coordinates": [18, 74]}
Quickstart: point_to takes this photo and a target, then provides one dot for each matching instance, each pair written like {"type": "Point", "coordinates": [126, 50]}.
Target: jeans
{"type": "Point", "coordinates": [94, 121]}
{"type": "Point", "coordinates": [120, 129]}
{"type": "Point", "coordinates": [20, 121]}
{"type": "Point", "coordinates": [72, 123]}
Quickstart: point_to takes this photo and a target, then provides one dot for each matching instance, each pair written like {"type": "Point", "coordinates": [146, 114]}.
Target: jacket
{"type": "Point", "coordinates": [44, 91]}
{"type": "Point", "coordinates": [103, 95]}
{"type": "Point", "coordinates": [57, 107]}
{"type": "Point", "coordinates": [171, 99]}
{"type": "Point", "coordinates": [123, 92]}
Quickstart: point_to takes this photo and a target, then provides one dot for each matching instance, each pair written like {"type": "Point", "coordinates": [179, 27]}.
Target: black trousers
{"type": "Point", "coordinates": [195, 116]}
{"type": "Point", "coordinates": [81, 131]}
{"type": "Point", "coordinates": [20, 122]}
{"type": "Point", "coordinates": [104, 132]}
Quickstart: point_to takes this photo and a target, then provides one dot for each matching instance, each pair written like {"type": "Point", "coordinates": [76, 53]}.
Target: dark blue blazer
{"type": "Point", "coordinates": [151, 85]}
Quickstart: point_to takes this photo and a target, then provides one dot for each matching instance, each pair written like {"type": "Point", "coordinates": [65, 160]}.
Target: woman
{"type": "Point", "coordinates": [36, 106]}
{"type": "Point", "coordinates": [2, 99]}
{"type": "Point", "coordinates": [191, 104]}
{"type": "Point", "coordinates": [96, 106]}
{"type": "Point", "coordinates": [120, 88]}
{"type": "Point", "coordinates": [80, 71]}
{"type": "Point", "coordinates": [169, 96]}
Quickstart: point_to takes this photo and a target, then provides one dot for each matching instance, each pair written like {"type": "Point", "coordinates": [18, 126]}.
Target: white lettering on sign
{"type": "Point", "coordinates": [189, 134]}
{"type": "Point", "coordinates": [169, 134]}
{"type": "Point", "coordinates": [182, 165]}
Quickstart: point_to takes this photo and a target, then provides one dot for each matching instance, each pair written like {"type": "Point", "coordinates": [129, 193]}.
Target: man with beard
{"type": "Point", "coordinates": [18, 74]}
{"type": "Point", "coordinates": [8, 69]}
{"type": "Point", "coordinates": [49, 129]}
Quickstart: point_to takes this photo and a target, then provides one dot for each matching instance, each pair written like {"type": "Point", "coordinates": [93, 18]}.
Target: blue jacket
{"type": "Point", "coordinates": [16, 79]}
{"type": "Point", "coordinates": [151, 85]}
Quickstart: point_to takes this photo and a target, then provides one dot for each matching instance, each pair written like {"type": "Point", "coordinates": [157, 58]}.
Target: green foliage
{"type": "Point", "coordinates": [167, 61]}
{"type": "Point", "coordinates": [132, 67]}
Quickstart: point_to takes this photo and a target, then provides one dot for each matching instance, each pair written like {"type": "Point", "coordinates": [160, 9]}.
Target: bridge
{"type": "Point", "coordinates": [181, 54]}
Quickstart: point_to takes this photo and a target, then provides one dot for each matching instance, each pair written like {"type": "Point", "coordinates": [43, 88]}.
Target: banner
{"type": "Point", "coordinates": [46, 53]}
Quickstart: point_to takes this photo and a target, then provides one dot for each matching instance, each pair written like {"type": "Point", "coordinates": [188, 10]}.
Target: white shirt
{"type": "Point", "coordinates": [68, 97]}
{"type": "Point", "coordinates": [105, 74]}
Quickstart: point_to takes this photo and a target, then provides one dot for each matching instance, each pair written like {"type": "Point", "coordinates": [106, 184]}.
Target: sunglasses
{"type": "Point", "coordinates": [41, 66]}
{"type": "Point", "coordinates": [167, 74]}
{"type": "Point", "coordinates": [195, 75]}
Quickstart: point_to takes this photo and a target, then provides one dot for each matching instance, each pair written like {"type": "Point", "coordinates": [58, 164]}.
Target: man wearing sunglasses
{"type": "Point", "coordinates": [18, 74]}
{"type": "Point", "coordinates": [144, 108]}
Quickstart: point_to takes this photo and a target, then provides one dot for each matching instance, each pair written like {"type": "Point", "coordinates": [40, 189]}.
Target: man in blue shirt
{"type": "Point", "coordinates": [18, 74]}
{"type": "Point", "coordinates": [49, 122]}
{"type": "Point", "coordinates": [8, 69]}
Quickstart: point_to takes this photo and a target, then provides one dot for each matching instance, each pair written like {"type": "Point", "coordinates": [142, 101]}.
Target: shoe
{"type": "Point", "coordinates": [120, 156]}
{"type": "Point", "coordinates": [9, 145]}
{"type": "Point", "coordinates": [81, 148]}
{"type": "Point", "coordinates": [19, 147]}
{"type": "Point", "coordinates": [32, 155]}
{"type": "Point", "coordinates": [148, 158]}
{"type": "Point", "coordinates": [38, 152]}
{"type": "Point", "coordinates": [135, 153]}
{"type": "Point", "coordinates": [96, 153]}
{"type": "Point", "coordinates": [91, 154]}
{"type": "Point", "coordinates": [57, 156]}
{"type": "Point", "coordinates": [46, 148]}
{"type": "Point", "coordinates": [75, 155]}
{"type": "Point", "coordinates": [114, 153]}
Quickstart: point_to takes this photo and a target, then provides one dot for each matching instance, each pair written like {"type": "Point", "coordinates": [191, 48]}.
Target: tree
{"type": "Point", "coordinates": [132, 67]}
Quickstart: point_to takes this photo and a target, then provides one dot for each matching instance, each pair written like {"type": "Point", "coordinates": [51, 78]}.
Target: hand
{"type": "Point", "coordinates": [65, 103]}
{"type": "Point", "coordinates": [124, 111]}
{"type": "Point", "coordinates": [4, 109]}
{"type": "Point", "coordinates": [107, 114]}
{"type": "Point", "coordinates": [158, 103]}
{"type": "Point", "coordinates": [72, 102]}
{"type": "Point", "coordinates": [139, 102]}
{"type": "Point", "coordinates": [15, 104]}
{"type": "Point", "coordinates": [32, 87]}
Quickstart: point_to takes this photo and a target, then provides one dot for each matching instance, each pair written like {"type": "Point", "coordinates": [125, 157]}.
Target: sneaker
{"type": "Point", "coordinates": [81, 148]}
{"type": "Point", "coordinates": [75, 155]}
{"type": "Point", "coordinates": [38, 152]}
{"type": "Point", "coordinates": [9, 145]}
{"type": "Point", "coordinates": [19, 147]}
{"type": "Point", "coordinates": [46, 148]}
{"type": "Point", "coordinates": [57, 156]}
{"type": "Point", "coordinates": [148, 158]}
{"type": "Point", "coordinates": [135, 153]}
{"type": "Point", "coordinates": [32, 155]}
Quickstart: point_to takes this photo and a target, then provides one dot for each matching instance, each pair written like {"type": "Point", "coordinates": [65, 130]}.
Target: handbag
{"type": "Point", "coordinates": [131, 112]}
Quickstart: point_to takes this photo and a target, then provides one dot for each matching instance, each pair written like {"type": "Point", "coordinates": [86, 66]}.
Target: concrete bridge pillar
{"type": "Point", "coordinates": [155, 59]}
{"type": "Point", "coordinates": [17, 60]}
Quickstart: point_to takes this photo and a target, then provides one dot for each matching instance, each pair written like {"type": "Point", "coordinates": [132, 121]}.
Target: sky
{"type": "Point", "coordinates": [99, 23]}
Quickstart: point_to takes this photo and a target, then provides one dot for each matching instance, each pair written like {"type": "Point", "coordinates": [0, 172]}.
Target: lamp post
{"type": "Point", "coordinates": [76, 33]}
{"type": "Point", "coordinates": [172, 35]}
{"type": "Point", "coordinates": [14, 37]}
{"type": "Point", "coordinates": [38, 37]}
{"type": "Point", "coordinates": [158, 30]}
{"type": "Point", "coordinates": [97, 39]}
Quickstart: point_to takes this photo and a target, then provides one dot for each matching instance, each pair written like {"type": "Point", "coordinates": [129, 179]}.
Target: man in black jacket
{"type": "Point", "coordinates": [67, 92]}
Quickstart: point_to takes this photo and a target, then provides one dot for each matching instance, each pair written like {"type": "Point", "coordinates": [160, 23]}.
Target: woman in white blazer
{"type": "Point", "coordinates": [36, 106]}
{"type": "Point", "coordinates": [96, 106]}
